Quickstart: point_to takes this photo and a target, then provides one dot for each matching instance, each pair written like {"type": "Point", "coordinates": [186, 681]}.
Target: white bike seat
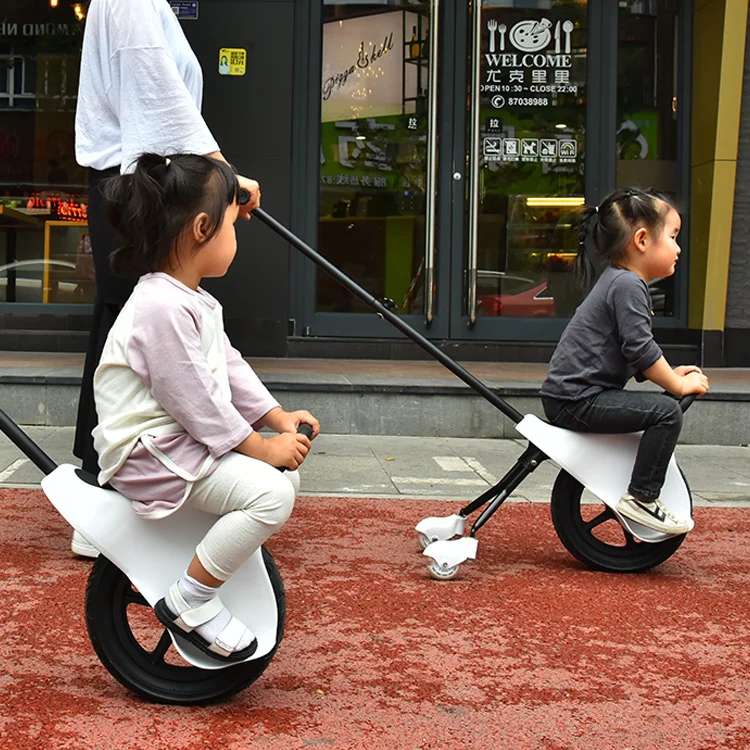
{"type": "Point", "coordinates": [603, 464]}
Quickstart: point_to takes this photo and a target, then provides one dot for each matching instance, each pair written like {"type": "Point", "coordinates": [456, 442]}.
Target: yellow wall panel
{"type": "Point", "coordinates": [720, 28]}
{"type": "Point", "coordinates": [707, 55]}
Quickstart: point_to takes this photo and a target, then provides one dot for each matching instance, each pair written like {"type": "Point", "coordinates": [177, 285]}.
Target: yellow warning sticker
{"type": "Point", "coordinates": [232, 61]}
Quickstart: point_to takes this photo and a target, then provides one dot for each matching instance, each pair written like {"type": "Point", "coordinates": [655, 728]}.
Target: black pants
{"type": "Point", "coordinates": [111, 294]}
{"type": "Point", "coordinates": [658, 415]}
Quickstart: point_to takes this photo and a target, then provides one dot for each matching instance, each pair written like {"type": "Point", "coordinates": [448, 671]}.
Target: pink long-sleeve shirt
{"type": "Point", "coordinates": [172, 395]}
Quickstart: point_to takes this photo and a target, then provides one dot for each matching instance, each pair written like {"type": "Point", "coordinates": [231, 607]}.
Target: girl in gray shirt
{"type": "Point", "coordinates": [609, 340]}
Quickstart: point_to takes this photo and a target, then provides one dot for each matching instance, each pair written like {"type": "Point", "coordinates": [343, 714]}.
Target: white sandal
{"type": "Point", "coordinates": [188, 618]}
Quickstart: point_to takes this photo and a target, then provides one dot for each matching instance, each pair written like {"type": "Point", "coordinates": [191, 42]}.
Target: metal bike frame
{"type": "Point", "coordinates": [532, 456]}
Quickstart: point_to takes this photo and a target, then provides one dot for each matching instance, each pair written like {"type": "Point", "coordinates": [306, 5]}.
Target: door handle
{"type": "Point", "coordinates": [471, 270]}
{"type": "Point", "coordinates": [431, 177]}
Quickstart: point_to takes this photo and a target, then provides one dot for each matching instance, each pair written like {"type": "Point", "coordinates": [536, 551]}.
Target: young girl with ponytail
{"type": "Point", "coordinates": [609, 340]}
{"type": "Point", "coordinates": [178, 406]}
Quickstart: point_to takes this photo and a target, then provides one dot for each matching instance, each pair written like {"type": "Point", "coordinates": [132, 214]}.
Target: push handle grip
{"type": "Point", "coordinates": [686, 401]}
{"type": "Point", "coordinates": [303, 429]}
{"type": "Point", "coordinates": [306, 430]}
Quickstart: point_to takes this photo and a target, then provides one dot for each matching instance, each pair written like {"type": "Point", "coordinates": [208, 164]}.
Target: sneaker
{"type": "Point", "coordinates": [651, 513]}
{"type": "Point", "coordinates": [82, 547]}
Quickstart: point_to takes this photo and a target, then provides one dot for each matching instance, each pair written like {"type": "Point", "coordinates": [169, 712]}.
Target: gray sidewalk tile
{"type": "Point", "coordinates": [454, 469]}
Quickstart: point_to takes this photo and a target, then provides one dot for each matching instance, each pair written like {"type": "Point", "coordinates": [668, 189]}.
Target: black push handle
{"type": "Point", "coordinates": [306, 430]}
{"type": "Point", "coordinates": [383, 311]}
{"type": "Point", "coordinates": [303, 429]}
{"type": "Point", "coordinates": [686, 401]}
{"type": "Point", "coordinates": [22, 441]}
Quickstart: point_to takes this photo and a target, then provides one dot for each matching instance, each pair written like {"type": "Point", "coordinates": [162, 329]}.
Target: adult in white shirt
{"type": "Point", "coordinates": [140, 90]}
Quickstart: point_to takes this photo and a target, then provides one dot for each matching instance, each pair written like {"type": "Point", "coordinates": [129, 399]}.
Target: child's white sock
{"type": "Point", "coordinates": [196, 593]}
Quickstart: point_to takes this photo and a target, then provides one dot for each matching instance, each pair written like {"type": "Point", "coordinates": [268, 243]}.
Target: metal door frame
{"type": "Point", "coordinates": [600, 175]}
{"type": "Point", "coordinates": [601, 104]}
{"type": "Point", "coordinates": [304, 319]}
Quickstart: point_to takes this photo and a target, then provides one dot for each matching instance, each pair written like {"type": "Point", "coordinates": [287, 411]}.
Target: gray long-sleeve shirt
{"type": "Point", "coordinates": [608, 340]}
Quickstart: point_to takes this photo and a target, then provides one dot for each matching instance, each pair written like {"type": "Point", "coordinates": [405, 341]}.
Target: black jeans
{"type": "Point", "coordinates": [111, 294]}
{"type": "Point", "coordinates": [658, 415]}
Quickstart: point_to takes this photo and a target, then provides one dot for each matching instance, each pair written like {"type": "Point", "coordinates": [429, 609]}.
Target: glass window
{"type": "Point", "coordinates": [44, 249]}
{"type": "Point", "coordinates": [647, 86]}
{"type": "Point", "coordinates": [531, 121]}
{"type": "Point", "coordinates": [373, 155]}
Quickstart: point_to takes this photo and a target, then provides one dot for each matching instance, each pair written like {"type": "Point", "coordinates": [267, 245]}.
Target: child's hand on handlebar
{"type": "Point", "coordinates": [288, 450]}
{"type": "Point", "coordinates": [289, 421]}
{"type": "Point", "coordinates": [683, 370]}
{"type": "Point", "coordinates": [694, 382]}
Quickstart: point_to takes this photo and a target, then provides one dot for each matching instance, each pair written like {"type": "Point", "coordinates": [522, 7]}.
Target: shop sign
{"type": "Point", "coordinates": [529, 68]}
{"type": "Point", "coordinates": [232, 61]}
{"type": "Point", "coordinates": [61, 207]}
{"type": "Point", "coordinates": [185, 11]}
{"type": "Point", "coordinates": [528, 74]}
{"type": "Point", "coordinates": [363, 67]}
{"type": "Point", "coordinates": [37, 29]}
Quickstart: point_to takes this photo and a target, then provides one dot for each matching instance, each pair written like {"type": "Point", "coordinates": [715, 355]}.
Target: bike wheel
{"type": "Point", "coordinates": [592, 533]}
{"type": "Point", "coordinates": [137, 651]}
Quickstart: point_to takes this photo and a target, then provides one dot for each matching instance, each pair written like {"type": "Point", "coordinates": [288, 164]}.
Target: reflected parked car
{"type": "Point", "coordinates": [29, 280]}
{"type": "Point", "coordinates": [502, 294]}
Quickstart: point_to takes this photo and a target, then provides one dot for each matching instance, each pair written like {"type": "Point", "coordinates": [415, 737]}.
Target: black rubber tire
{"type": "Point", "coordinates": [633, 556]}
{"type": "Point", "coordinates": [146, 673]}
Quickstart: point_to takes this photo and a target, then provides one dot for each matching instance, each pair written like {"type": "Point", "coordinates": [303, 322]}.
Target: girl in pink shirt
{"type": "Point", "coordinates": [178, 406]}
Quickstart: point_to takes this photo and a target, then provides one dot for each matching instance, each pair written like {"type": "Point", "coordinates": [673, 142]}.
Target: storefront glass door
{"type": "Point", "coordinates": [458, 139]}
{"type": "Point", "coordinates": [378, 153]}
{"type": "Point", "coordinates": [526, 137]}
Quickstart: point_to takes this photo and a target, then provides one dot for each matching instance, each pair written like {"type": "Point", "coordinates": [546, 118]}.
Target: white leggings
{"type": "Point", "coordinates": [253, 499]}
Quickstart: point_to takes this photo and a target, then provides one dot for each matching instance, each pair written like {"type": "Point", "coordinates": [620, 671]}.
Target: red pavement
{"type": "Point", "coordinates": [525, 650]}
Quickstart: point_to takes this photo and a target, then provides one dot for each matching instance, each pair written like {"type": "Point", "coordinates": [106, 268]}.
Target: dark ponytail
{"type": "Point", "coordinates": [583, 268]}
{"type": "Point", "coordinates": [611, 226]}
{"type": "Point", "coordinates": [152, 207]}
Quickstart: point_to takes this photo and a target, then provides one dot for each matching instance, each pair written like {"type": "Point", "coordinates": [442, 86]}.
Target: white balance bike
{"type": "Point", "coordinates": [140, 559]}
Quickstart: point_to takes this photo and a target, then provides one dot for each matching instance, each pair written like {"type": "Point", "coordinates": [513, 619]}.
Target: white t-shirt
{"type": "Point", "coordinates": [141, 86]}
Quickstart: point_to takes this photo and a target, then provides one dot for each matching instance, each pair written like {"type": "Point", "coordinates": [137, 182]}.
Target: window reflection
{"type": "Point", "coordinates": [373, 156]}
{"type": "Point", "coordinates": [44, 252]}
{"type": "Point", "coordinates": [531, 155]}
{"type": "Point", "coordinates": [647, 105]}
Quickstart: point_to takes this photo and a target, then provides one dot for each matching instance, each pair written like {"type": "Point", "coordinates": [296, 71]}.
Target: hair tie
{"type": "Point", "coordinates": [167, 161]}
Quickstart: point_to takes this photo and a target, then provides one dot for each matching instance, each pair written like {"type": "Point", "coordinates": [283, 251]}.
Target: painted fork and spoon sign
{"type": "Point", "coordinates": [530, 36]}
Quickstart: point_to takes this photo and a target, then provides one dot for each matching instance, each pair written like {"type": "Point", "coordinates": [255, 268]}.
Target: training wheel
{"type": "Point", "coordinates": [424, 540]}
{"type": "Point", "coordinates": [442, 572]}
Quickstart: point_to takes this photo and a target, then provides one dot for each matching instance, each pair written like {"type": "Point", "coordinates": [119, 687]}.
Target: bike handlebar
{"type": "Point", "coordinates": [306, 430]}
{"type": "Point", "coordinates": [686, 401]}
{"type": "Point", "coordinates": [303, 429]}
